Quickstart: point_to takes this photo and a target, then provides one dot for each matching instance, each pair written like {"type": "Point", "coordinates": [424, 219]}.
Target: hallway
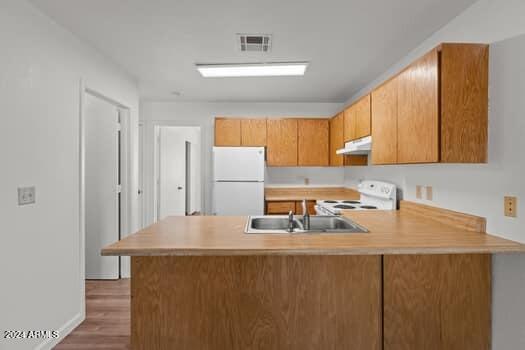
{"type": "Point", "coordinates": [107, 323]}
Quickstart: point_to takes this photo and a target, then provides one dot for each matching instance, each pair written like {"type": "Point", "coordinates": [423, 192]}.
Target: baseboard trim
{"type": "Point", "coordinates": [67, 328]}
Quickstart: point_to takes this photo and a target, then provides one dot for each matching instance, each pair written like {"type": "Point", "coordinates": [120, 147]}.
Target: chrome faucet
{"type": "Point", "coordinates": [306, 216]}
{"type": "Point", "coordinates": [290, 222]}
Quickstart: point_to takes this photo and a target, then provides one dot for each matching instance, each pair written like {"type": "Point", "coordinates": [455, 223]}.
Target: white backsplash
{"type": "Point", "coordinates": [296, 176]}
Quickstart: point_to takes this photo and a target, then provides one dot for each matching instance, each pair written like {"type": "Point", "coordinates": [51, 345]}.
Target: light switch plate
{"type": "Point", "coordinates": [510, 206]}
{"type": "Point", "coordinates": [26, 195]}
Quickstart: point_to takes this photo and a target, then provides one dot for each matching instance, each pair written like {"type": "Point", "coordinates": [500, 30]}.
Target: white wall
{"type": "Point", "coordinates": [298, 176]}
{"type": "Point", "coordinates": [41, 66]}
{"type": "Point", "coordinates": [203, 114]}
{"type": "Point", "coordinates": [479, 189]}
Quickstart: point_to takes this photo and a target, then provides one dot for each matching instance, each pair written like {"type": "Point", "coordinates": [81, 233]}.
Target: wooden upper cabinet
{"type": "Point", "coordinates": [357, 119]}
{"type": "Point", "coordinates": [418, 111]}
{"type": "Point", "coordinates": [253, 132]}
{"type": "Point", "coordinates": [435, 110]}
{"type": "Point", "coordinates": [349, 124]}
{"type": "Point", "coordinates": [227, 132]}
{"type": "Point", "coordinates": [313, 145]}
{"type": "Point", "coordinates": [464, 103]}
{"type": "Point", "coordinates": [384, 123]}
{"type": "Point", "coordinates": [336, 139]}
{"type": "Point", "coordinates": [281, 142]}
{"type": "Point", "coordinates": [362, 117]}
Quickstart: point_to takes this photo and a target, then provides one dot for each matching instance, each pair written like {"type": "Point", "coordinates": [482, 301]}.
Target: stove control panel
{"type": "Point", "coordinates": [377, 189]}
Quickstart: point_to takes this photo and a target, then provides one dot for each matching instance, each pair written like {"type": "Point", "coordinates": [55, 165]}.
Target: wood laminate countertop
{"type": "Point", "coordinates": [390, 232]}
{"type": "Point", "coordinates": [309, 193]}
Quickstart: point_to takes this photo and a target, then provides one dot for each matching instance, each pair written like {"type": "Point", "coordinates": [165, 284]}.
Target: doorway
{"type": "Point", "coordinates": [105, 170]}
{"type": "Point", "coordinates": [177, 171]}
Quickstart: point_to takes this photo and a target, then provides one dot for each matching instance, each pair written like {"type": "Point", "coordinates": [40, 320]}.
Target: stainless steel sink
{"type": "Point", "coordinates": [271, 223]}
{"type": "Point", "coordinates": [332, 224]}
{"type": "Point", "coordinates": [318, 224]}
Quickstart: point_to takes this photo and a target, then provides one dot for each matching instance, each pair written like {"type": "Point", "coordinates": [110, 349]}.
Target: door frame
{"type": "Point", "coordinates": [150, 164]}
{"type": "Point", "coordinates": [157, 171]}
{"type": "Point", "coordinates": [125, 175]}
{"type": "Point", "coordinates": [141, 178]}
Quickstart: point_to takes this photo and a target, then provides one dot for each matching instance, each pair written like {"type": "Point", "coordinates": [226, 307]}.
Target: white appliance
{"type": "Point", "coordinates": [374, 195]}
{"type": "Point", "coordinates": [359, 146]}
{"type": "Point", "coordinates": [238, 186]}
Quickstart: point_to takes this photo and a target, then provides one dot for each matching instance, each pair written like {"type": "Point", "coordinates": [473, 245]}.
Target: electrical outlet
{"type": "Point", "coordinates": [429, 193]}
{"type": "Point", "coordinates": [418, 191]}
{"type": "Point", "coordinates": [26, 195]}
{"type": "Point", "coordinates": [510, 205]}
{"type": "Point", "coordinates": [306, 181]}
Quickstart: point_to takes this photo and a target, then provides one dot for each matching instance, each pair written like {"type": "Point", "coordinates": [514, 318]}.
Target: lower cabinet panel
{"type": "Point", "coordinates": [256, 302]}
{"type": "Point", "coordinates": [440, 302]}
{"type": "Point", "coordinates": [430, 302]}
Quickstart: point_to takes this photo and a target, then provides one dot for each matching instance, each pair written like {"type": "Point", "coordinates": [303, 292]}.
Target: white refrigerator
{"type": "Point", "coordinates": [238, 186]}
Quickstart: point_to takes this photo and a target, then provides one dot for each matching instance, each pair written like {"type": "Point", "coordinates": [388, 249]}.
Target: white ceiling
{"type": "Point", "coordinates": [348, 42]}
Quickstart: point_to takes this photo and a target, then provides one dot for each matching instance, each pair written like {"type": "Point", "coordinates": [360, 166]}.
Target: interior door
{"type": "Point", "coordinates": [101, 181]}
{"type": "Point", "coordinates": [172, 172]}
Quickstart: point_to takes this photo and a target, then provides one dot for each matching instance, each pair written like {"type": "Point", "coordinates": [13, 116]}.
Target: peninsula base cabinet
{"type": "Point", "coordinates": [437, 302]}
{"type": "Point", "coordinates": [386, 302]}
{"type": "Point", "coordinates": [256, 302]}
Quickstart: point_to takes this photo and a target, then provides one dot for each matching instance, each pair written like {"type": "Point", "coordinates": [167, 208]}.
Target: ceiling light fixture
{"type": "Point", "coordinates": [273, 69]}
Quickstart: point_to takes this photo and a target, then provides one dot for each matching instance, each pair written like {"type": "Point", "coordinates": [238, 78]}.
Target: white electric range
{"type": "Point", "coordinates": [374, 195]}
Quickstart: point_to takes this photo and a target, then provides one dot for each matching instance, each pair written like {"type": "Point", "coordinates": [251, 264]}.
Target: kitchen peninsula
{"type": "Point", "coordinates": [420, 278]}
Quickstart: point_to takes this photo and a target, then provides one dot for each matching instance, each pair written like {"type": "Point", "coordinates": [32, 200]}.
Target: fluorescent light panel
{"type": "Point", "coordinates": [252, 69]}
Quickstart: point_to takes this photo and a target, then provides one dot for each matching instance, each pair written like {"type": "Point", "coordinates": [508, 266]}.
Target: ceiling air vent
{"type": "Point", "coordinates": [254, 42]}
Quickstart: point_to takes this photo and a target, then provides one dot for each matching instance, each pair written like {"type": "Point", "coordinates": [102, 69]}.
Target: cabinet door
{"type": "Point", "coordinates": [310, 205]}
{"type": "Point", "coordinates": [280, 208]}
{"type": "Point", "coordinates": [353, 159]}
{"type": "Point", "coordinates": [384, 123]}
{"type": "Point", "coordinates": [464, 103]}
{"type": "Point", "coordinates": [349, 123]}
{"type": "Point", "coordinates": [436, 302]}
{"type": "Point", "coordinates": [313, 142]}
{"type": "Point", "coordinates": [362, 117]}
{"type": "Point", "coordinates": [417, 126]}
{"type": "Point", "coordinates": [253, 132]}
{"type": "Point", "coordinates": [281, 142]}
{"type": "Point", "coordinates": [336, 139]}
{"type": "Point", "coordinates": [227, 132]}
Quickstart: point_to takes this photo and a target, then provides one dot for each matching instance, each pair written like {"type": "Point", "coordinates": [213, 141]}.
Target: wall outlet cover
{"type": "Point", "coordinates": [26, 195]}
{"type": "Point", "coordinates": [430, 195]}
{"type": "Point", "coordinates": [510, 206]}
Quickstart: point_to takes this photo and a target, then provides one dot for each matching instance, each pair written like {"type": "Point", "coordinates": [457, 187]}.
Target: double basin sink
{"type": "Point", "coordinates": [318, 224]}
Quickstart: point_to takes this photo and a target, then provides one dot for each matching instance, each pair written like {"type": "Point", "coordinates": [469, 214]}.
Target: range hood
{"type": "Point", "coordinates": [359, 146]}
